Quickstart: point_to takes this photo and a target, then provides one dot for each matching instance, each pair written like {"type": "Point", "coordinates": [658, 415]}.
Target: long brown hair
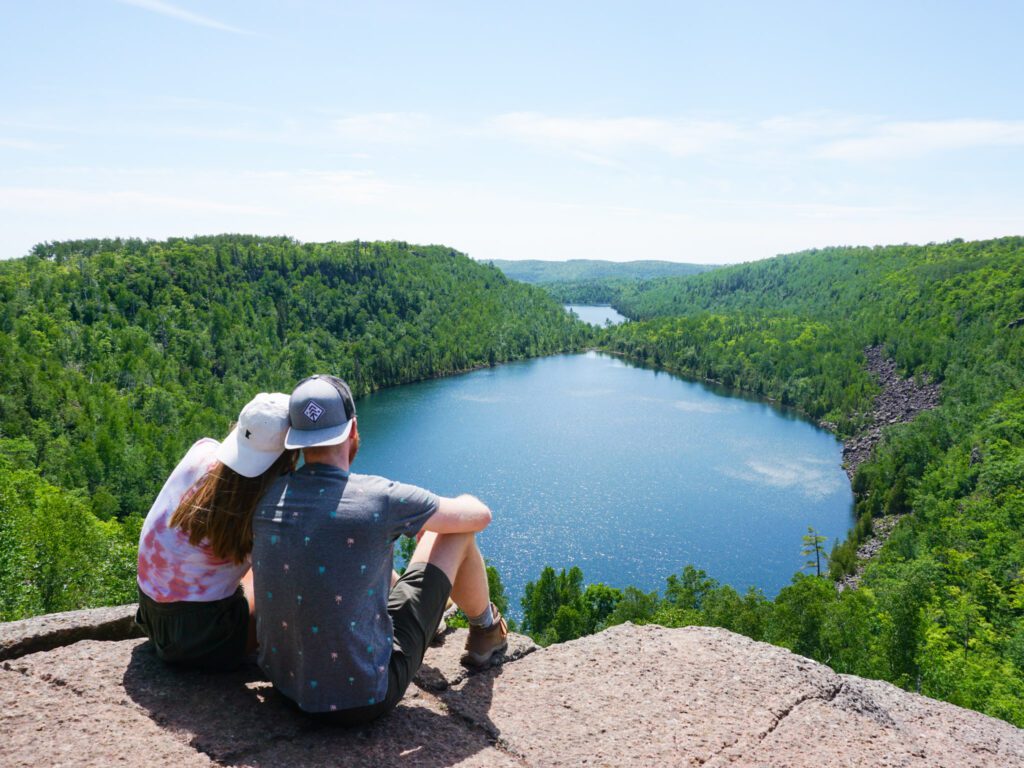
{"type": "Point", "coordinates": [221, 505]}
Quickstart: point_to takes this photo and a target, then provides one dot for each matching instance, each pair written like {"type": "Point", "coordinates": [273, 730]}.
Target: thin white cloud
{"type": "Point", "coordinates": [780, 138]}
{"type": "Point", "coordinates": [906, 139]}
{"type": "Point", "coordinates": [166, 9]}
{"type": "Point", "coordinates": [675, 137]}
{"type": "Point", "coordinates": [333, 187]}
{"type": "Point", "coordinates": [24, 144]}
{"type": "Point", "coordinates": [51, 200]}
{"type": "Point", "coordinates": [813, 126]}
{"type": "Point", "coordinates": [384, 127]}
{"type": "Point", "coordinates": [758, 196]}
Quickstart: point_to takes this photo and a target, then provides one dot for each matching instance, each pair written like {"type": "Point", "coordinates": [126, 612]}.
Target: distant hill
{"type": "Point", "coordinates": [574, 270]}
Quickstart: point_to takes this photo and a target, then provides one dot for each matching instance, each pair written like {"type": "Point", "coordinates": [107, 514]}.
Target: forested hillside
{"type": "Point", "coordinates": [590, 281]}
{"type": "Point", "coordinates": [116, 354]}
{"type": "Point", "coordinates": [941, 609]}
{"type": "Point", "coordinates": [794, 327]}
{"type": "Point", "coordinates": [537, 271]}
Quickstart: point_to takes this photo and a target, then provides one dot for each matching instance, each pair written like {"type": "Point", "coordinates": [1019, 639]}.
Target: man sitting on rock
{"type": "Point", "coordinates": [334, 635]}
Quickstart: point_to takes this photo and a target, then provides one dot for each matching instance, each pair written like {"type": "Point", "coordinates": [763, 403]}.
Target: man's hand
{"type": "Point", "coordinates": [462, 514]}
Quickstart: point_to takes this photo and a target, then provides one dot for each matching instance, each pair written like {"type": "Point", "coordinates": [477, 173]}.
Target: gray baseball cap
{"type": "Point", "coordinates": [321, 412]}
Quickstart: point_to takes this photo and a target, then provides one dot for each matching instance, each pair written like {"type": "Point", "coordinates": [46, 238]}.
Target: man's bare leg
{"type": "Point", "coordinates": [459, 557]}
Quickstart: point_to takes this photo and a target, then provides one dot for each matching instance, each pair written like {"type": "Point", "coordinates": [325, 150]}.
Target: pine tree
{"type": "Point", "coordinates": [813, 546]}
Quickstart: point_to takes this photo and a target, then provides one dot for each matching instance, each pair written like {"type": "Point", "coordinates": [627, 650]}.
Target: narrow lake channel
{"type": "Point", "coordinates": [595, 314]}
{"type": "Point", "coordinates": [626, 472]}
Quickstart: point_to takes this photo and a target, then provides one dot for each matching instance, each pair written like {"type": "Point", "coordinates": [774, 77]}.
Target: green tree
{"type": "Point", "coordinates": [813, 547]}
{"type": "Point", "coordinates": [636, 606]}
{"type": "Point", "coordinates": [599, 601]}
{"type": "Point", "coordinates": [543, 599]}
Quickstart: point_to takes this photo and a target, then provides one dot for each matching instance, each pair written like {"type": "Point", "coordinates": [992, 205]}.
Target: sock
{"type": "Point", "coordinates": [483, 621]}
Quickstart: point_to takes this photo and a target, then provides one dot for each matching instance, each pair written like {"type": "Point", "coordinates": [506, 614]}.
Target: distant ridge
{"type": "Point", "coordinates": [539, 271]}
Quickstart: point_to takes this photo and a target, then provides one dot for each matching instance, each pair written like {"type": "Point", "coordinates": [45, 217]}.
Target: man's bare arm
{"type": "Point", "coordinates": [462, 514]}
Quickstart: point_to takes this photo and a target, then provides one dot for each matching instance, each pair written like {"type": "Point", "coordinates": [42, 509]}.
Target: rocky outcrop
{"type": "Point", "coordinates": [898, 403]}
{"type": "Point", "coordinates": [18, 638]}
{"type": "Point", "coordinates": [629, 696]}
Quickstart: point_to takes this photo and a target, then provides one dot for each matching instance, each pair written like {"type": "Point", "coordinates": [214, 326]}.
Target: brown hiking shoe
{"type": "Point", "coordinates": [484, 644]}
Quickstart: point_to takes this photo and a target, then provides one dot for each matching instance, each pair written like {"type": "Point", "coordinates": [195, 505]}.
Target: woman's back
{"type": "Point", "coordinates": [170, 568]}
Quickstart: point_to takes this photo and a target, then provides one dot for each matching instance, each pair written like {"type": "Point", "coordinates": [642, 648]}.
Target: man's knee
{"type": "Point", "coordinates": [444, 550]}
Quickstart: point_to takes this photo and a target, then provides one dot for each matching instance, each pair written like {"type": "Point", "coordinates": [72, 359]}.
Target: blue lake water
{"type": "Point", "coordinates": [626, 472]}
{"type": "Point", "coordinates": [595, 314]}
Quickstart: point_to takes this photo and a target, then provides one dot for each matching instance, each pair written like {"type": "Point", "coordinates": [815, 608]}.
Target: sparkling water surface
{"type": "Point", "coordinates": [628, 473]}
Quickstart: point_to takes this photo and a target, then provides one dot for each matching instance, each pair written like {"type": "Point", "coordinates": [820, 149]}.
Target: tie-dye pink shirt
{"type": "Point", "coordinates": [171, 569]}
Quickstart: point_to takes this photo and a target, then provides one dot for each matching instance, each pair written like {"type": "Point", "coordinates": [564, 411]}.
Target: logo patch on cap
{"type": "Point", "coordinates": [313, 411]}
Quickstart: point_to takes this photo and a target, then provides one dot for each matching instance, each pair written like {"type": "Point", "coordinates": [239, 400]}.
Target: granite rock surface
{"type": "Point", "coordinates": [629, 696]}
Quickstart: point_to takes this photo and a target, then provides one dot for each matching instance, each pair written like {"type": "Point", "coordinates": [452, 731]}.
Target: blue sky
{"type": "Point", "coordinates": [703, 132]}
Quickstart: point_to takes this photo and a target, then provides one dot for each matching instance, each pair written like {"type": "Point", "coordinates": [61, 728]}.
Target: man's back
{"type": "Point", "coordinates": [322, 558]}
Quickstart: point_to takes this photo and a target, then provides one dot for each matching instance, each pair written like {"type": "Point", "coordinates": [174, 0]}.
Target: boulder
{"type": "Point", "coordinates": [42, 633]}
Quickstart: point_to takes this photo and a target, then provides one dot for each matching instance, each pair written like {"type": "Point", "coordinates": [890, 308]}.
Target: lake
{"type": "Point", "coordinates": [595, 314]}
{"type": "Point", "coordinates": [627, 472]}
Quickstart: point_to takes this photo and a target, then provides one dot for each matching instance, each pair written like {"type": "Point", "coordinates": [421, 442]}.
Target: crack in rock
{"type": "Point", "coordinates": [826, 696]}
{"type": "Point", "coordinates": [51, 680]}
{"type": "Point", "coordinates": [829, 696]}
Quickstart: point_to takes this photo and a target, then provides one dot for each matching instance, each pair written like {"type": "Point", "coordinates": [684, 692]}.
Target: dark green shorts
{"type": "Point", "coordinates": [416, 604]}
{"type": "Point", "coordinates": [210, 635]}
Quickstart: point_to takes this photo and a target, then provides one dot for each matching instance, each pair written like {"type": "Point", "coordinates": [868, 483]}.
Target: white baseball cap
{"type": "Point", "coordinates": [257, 440]}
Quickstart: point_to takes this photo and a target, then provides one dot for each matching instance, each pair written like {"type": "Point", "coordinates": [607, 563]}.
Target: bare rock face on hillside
{"type": "Point", "coordinates": [643, 696]}
{"type": "Point", "coordinates": [899, 402]}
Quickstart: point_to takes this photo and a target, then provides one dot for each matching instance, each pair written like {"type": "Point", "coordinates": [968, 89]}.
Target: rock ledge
{"type": "Point", "coordinates": [628, 696]}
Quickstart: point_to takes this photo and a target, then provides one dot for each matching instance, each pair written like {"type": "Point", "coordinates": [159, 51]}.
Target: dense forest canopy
{"type": "Point", "coordinates": [116, 354]}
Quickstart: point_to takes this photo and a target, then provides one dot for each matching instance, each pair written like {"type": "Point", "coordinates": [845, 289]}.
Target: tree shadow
{"type": "Point", "coordinates": [238, 717]}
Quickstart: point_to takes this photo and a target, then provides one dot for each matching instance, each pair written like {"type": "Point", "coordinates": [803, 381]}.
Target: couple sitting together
{"type": "Point", "coordinates": [242, 551]}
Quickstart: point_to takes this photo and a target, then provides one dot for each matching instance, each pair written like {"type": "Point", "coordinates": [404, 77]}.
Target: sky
{"type": "Point", "coordinates": [713, 132]}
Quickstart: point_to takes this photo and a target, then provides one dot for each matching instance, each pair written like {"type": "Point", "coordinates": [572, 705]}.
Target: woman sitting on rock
{"type": "Point", "coordinates": [195, 583]}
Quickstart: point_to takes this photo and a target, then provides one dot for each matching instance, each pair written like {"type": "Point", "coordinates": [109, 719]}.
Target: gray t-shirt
{"type": "Point", "coordinates": [322, 557]}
